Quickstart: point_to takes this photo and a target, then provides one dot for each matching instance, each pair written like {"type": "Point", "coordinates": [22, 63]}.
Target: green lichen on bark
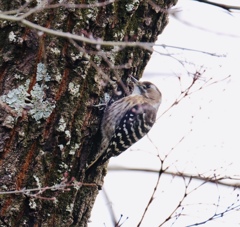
{"type": "Point", "coordinates": [39, 149]}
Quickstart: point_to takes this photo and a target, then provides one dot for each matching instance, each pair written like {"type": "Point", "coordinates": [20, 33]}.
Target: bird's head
{"type": "Point", "coordinates": [148, 90]}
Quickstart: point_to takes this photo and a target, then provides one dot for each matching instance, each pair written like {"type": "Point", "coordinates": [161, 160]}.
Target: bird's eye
{"type": "Point", "coordinates": [147, 86]}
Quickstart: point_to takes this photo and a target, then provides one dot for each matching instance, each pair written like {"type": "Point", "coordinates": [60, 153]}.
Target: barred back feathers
{"type": "Point", "coordinates": [128, 120]}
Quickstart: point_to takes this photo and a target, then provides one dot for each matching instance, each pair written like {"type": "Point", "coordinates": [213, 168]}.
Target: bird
{"type": "Point", "coordinates": [127, 120]}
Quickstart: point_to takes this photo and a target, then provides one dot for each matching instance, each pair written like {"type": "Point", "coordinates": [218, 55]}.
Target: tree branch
{"type": "Point", "coordinates": [221, 180]}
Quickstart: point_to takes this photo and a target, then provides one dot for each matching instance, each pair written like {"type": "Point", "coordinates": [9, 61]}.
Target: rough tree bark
{"type": "Point", "coordinates": [48, 86]}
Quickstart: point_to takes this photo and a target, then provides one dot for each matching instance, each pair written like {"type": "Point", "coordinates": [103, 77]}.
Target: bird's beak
{"type": "Point", "coordinates": [137, 84]}
{"type": "Point", "coordinates": [134, 80]}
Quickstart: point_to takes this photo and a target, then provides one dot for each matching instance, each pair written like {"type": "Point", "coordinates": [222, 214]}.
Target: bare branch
{"type": "Point", "coordinates": [38, 9]}
{"type": "Point", "coordinates": [221, 180]}
{"type": "Point", "coordinates": [216, 215]}
{"type": "Point", "coordinates": [160, 172]}
{"type": "Point", "coordinates": [188, 23]}
{"type": "Point", "coordinates": [98, 42]}
{"type": "Point", "coordinates": [63, 186]}
{"type": "Point", "coordinates": [223, 6]}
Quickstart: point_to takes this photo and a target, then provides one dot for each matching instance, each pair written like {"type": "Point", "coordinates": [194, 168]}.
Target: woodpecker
{"type": "Point", "coordinates": [127, 120]}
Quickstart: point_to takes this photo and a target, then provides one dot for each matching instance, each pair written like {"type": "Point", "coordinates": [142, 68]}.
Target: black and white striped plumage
{"type": "Point", "coordinates": [127, 120]}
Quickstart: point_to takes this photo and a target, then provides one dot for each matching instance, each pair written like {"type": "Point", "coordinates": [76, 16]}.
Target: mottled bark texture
{"type": "Point", "coordinates": [49, 129]}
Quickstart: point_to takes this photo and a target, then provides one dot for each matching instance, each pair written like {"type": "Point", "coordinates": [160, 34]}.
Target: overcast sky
{"type": "Point", "coordinates": [206, 122]}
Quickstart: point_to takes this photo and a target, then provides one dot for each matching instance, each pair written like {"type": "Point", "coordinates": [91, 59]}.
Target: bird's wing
{"type": "Point", "coordinates": [133, 126]}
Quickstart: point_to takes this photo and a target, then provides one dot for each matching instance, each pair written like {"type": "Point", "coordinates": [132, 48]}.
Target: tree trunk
{"type": "Point", "coordinates": [49, 128]}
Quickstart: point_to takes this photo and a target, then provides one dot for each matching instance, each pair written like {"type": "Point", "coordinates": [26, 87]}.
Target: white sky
{"type": "Point", "coordinates": [208, 120]}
